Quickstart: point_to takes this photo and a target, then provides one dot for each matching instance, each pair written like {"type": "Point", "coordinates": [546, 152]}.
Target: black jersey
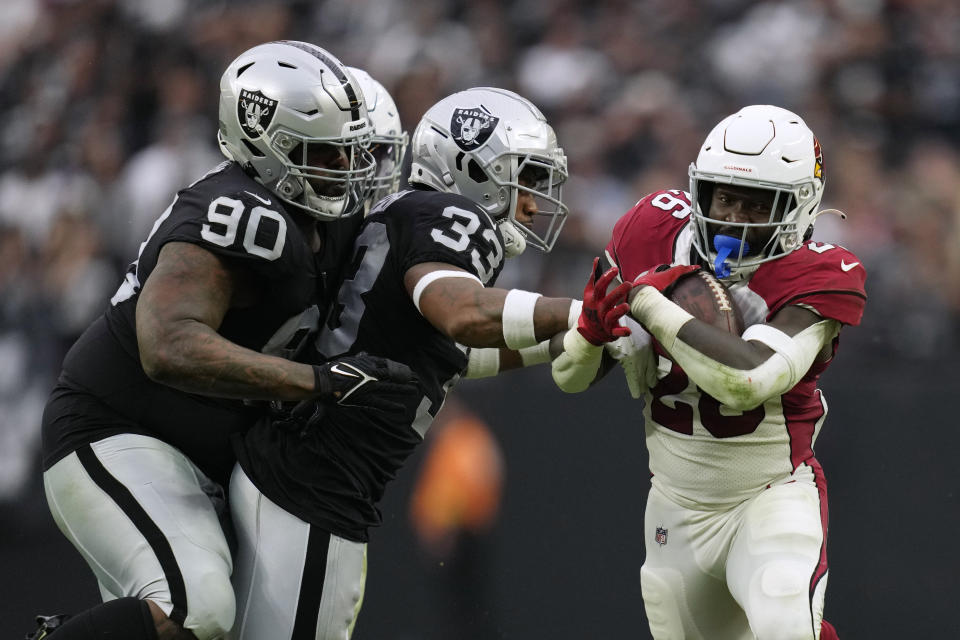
{"type": "Point", "coordinates": [103, 389]}
{"type": "Point", "coordinates": [334, 476]}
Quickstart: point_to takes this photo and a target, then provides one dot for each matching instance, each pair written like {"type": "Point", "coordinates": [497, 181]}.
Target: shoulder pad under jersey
{"type": "Point", "coordinates": [649, 233]}
{"type": "Point", "coordinates": [233, 216]}
{"type": "Point", "coordinates": [826, 277]}
{"type": "Point", "coordinates": [431, 226]}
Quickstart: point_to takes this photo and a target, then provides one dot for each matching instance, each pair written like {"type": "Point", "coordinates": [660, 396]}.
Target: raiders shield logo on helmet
{"type": "Point", "coordinates": [472, 127]}
{"type": "Point", "coordinates": [255, 111]}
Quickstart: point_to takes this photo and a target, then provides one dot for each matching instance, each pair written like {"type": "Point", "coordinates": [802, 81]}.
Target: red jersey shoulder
{"type": "Point", "coordinates": [824, 276]}
{"type": "Point", "coordinates": [645, 236]}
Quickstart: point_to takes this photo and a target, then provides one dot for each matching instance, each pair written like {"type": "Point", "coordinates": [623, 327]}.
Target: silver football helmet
{"type": "Point", "coordinates": [766, 147]}
{"type": "Point", "coordinates": [488, 145]}
{"type": "Point", "coordinates": [389, 141]}
{"type": "Point", "coordinates": [295, 118]}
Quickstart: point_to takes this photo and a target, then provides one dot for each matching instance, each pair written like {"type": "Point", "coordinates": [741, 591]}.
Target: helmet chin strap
{"type": "Point", "coordinates": [514, 241]}
{"type": "Point", "coordinates": [724, 246]}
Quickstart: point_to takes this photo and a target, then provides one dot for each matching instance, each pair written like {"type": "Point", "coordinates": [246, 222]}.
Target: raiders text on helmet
{"type": "Point", "coordinates": [295, 118]}
{"type": "Point", "coordinates": [766, 147]}
{"type": "Point", "coordinates": [488, 145]}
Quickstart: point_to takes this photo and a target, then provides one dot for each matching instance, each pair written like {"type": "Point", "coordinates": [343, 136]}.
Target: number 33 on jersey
{"type": "Point", "coordinates": [374, 312]}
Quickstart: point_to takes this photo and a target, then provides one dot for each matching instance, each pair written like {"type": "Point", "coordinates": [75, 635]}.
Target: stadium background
{"type": "Point", "coordinates": [108, 106]}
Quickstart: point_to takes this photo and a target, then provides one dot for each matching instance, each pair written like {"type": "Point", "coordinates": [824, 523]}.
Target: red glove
{"type": "Point", "coordinates": [663, 276]}
{"type": "Point", "coordinates": [600, 317]}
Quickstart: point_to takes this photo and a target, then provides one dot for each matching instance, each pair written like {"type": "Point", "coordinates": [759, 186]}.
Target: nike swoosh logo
{"type": "Point", "coordinates": [267, 202]}
{"type": "Point", "coordinates": [847, 267]}
{"type": "Point", "coordinates": [336, 369]}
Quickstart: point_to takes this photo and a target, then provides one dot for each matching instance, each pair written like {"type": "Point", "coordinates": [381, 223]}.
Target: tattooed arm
{"type": "Point", "coordinates": [179, 311]}
{"type": "Point", "coordinates": [472, 314]}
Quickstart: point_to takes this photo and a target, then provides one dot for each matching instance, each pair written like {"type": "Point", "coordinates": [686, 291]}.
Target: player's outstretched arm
{"type": "Point", "coordinates": [740, 371]}
{"type": "Point", "coordinates": [457, 304]}
{"type": "Point", "coordinates": [179, 311]}
{"type": "Point", "coordinates": [483, 362]}
{"type": "Point", "coordinates": [579, 365]}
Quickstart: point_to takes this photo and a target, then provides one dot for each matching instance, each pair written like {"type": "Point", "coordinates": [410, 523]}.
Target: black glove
{"type": "Point", "coordinates": [362, 380]}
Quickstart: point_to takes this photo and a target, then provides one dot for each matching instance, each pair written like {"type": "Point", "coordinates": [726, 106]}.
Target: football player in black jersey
{"type": "Point", "coordinates": [136, 432]}
{"type": "Point", "coordinates": [487, 175]}
{"type": "Point", "coordinates": [388, 142]}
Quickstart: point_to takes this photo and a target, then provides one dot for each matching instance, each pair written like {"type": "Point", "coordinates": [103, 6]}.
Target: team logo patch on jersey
{"type": "Point", "coordinates": [255, 111]}
{"type": "Point", "coordinates": [661, 536]}
{"type": "Point", "coordinates": [472, 127]}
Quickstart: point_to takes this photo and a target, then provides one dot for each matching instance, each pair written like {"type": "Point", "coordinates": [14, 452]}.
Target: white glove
{"type": "Point", "coordinates": [636, 357]}
{"type": "Point", "coordinates": [575, 368]}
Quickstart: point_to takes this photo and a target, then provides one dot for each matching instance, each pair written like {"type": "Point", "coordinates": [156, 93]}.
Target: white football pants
{"type": "Point", "coordinates": [293, 581]}
{"type": "Point", "coordinates": [145, 519]}
{"type": "Point", "coordinates": [757, 570]}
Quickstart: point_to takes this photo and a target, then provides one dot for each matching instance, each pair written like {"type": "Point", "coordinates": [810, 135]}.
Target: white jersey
{"type": "Point", "coordinates": [703, 454]}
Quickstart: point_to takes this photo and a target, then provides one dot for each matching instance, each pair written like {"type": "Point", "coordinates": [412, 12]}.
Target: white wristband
{"type": "Point", "coordinates": [517, 319]}
{"type": "Point", "coordinates": [483, 363]}
{"type": "Point", "coordinates": [537, 354]}
{"type": "Point", "coordinates": [575, 368]}
{"type": "Point", "coordinates": [436, 275]}
{"type": "Point", "coordinates": [579, 348]}
{"type": "Point", "coordinates": [576, 308]}
{"type": "Point", "coordinates": [662, 317]}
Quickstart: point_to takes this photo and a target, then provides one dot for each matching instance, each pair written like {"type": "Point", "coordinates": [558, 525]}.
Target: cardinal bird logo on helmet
{"type": "Point", "coordinates": [817, 160]}
{"type": "Point", "coordinates": [472, 127]}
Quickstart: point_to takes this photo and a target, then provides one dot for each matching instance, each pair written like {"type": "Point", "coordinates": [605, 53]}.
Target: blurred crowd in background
{"type": "Point", "coordinates": [107, 107]}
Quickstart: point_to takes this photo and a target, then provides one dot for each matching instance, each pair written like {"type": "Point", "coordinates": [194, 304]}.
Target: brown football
{"type": "Point", "coordinates": [707, 299]}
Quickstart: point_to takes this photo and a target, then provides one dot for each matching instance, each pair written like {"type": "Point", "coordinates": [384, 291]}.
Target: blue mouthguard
{"type": "Point", "coordinates": [724, 246]}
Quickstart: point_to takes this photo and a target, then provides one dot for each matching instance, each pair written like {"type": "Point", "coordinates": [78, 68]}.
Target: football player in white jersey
{"type": "Point", "coordinates": [136, 434]}
{"type": "Point", "coordinates": [736, 518]}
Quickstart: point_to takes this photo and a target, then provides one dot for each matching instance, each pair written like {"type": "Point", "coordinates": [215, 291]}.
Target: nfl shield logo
{"type": "Point", "coordinates": [661, 536]}
{"type": "Point", "coordinates": [255, 111]}
{"type": "Point", "coordinates": [472, 127]}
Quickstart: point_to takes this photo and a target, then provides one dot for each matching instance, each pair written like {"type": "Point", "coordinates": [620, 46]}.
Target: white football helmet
{"type": "Point", "coordinates": [766, 147]}
{"type": "Point", "coordinates": [295, 118]}
{"type": "Point", "coordinates": [480, 143]}
{"type": "Point", "coordinates": [389, 141]}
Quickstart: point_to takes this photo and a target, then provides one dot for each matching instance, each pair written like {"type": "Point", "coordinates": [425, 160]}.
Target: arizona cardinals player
{"type": "Point", "coordinates": [736, 518]}
{"type": "Point", "coordinates": [136, 432]}
{"type": "Point", "coordinates": [487, 175]}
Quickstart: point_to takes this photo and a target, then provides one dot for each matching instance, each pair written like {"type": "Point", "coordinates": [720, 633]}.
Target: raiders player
{"type": "Point", "coordinates": [486, 175]}
{"type": "Point", "coordinates": [136, 432]}
{"type": "Point", "coordinates": [388, 142]}
{"type": "Point", "coordinates": [736, 518]}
